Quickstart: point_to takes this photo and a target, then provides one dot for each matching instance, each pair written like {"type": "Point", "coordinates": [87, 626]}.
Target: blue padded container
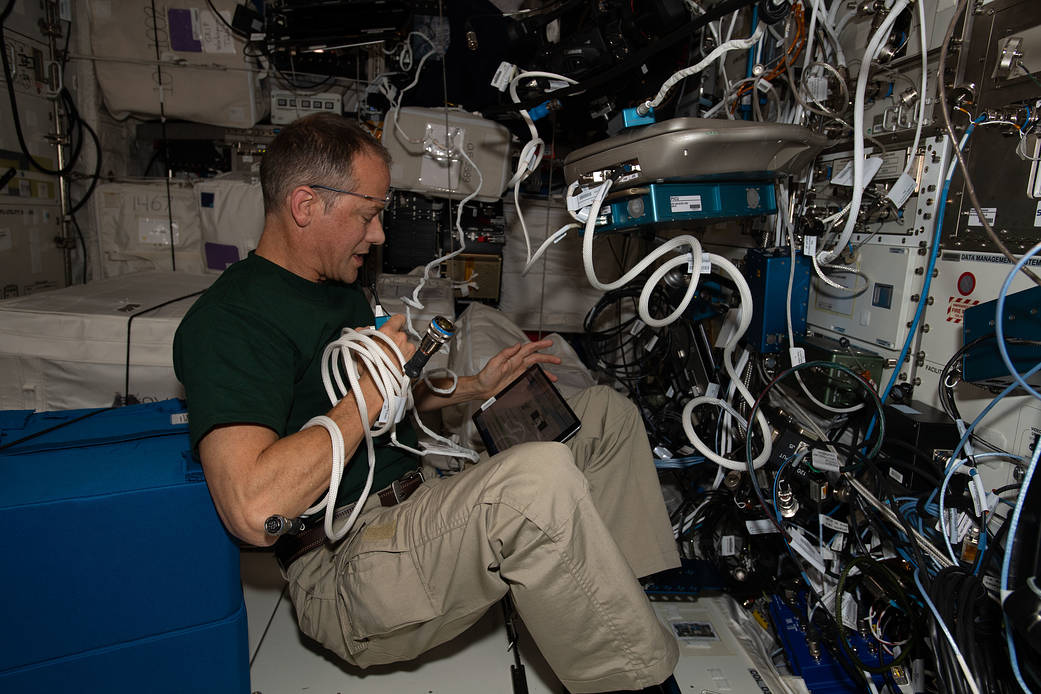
{"type": "Point", "coordinates": [118, 575]}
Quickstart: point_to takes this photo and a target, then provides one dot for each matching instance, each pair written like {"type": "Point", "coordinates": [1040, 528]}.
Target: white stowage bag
{"type": "Point", "coordinates": [133, 224]}
{"type": "Point", "coordinates": [67, 348]}
{"type": "Point", "coordinates": [231, 216]}
{"type": "Point", "coordinates": [205, 76]}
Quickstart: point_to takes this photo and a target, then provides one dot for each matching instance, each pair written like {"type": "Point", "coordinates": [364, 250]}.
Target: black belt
{"type": "Point", "coordinates": [289, 548]}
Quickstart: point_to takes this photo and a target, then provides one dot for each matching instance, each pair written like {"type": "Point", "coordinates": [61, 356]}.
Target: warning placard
{"type": "Point", "coordinates": [956, 306]}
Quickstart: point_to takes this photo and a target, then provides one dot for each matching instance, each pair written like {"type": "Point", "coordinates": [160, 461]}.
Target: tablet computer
{"type": "Point", "coordinates": [529, 409]}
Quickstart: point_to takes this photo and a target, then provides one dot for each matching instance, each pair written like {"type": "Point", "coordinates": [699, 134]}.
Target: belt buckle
{"type": "Point", "coordinates": [396, 486]}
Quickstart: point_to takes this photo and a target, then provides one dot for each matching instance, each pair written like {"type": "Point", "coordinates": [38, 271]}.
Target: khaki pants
{"type": "Point", "coordinates": [565, 528]}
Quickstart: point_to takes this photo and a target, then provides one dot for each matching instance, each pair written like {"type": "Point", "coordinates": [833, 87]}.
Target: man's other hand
{"type": "Point", "coordinates": [507, 365]}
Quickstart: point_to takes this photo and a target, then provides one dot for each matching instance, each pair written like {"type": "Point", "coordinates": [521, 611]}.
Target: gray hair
{"type": "Point", "coordinates": [315, 149]}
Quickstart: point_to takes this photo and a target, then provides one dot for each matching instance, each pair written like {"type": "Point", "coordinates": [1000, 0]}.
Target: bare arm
{"type": "Point", "coordinates": [499, 372]}
{"type": "Point", "coordinates": [253, 474]}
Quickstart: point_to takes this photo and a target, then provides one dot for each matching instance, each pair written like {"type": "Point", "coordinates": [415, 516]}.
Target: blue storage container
{"type": "Point", "coordinates": [118, 575]}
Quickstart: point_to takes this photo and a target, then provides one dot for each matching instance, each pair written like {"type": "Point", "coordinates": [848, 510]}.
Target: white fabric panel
{"type": "Point", "coordinates": [231, 215]}
{"type": "Point", "coordinates": [554, 295]}
{"type": "Point", "coordinates": [67, 348]}
{"type": "Point", "coordinates": [134, 227]}
{"type": "Point", "coordinates": [225, 92]}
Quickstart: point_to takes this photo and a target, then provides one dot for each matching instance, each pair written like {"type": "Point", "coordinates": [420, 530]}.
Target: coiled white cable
{"type": "Point", "coordinates": [693, 257]}
{"type": "Point", "coordinates": [343, 356]}
{"type": "Point", "coordinates": [392, 384]}
{"type": "Point", "coordinates": [744, 320]}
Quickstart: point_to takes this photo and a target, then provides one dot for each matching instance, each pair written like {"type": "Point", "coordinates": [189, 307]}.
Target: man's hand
{"type": "Point", "coordinates": [510, 363]}
{"type": "Point", "coordinates": [393, 328]}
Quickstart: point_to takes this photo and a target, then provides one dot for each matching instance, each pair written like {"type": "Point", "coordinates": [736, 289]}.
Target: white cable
{"type": "Point", "coordinates": [415, 80]}
{"type": "Point", "coordinates": [531, 154]}
{"type": "Point", "coordinates": [730, 45]}
{"type": "Point", "coordinates": [744, 319]}
{"type": "Point", "coordinates": [693, 258]}
{"type": "Point", "coordinates": [341, 354]}
{"type": "Point", "coordinates": [788, 315]}
{"type": "Point", "coordinates": [354, 349]}
{"type": "Point", "coordinates": [414, 302]}
{"type": "Point", "coordinates": [826, 256]}
{"type": "Point", "coordinates": [925, 85]}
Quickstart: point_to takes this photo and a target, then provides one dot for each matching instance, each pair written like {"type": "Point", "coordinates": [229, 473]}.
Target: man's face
{"type": "Point", "coordinates": [351, 224]}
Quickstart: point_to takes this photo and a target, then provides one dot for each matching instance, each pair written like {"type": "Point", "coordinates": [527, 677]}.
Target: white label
{"type": "Point", "coordinates": [817, 86]}
{"type": "Point", "coordinates": [838, 543]}
{"type": "Point", "coordinates": [849, 611]}
{"type": "Point", "coordinates": [828, 554]}
{"type": "Point", "coordinates": [834, 524]}
{"type": "Point", "coordinates": [194, 14]}
{"type": "Point", "coordinates": [809, 245]}
{"type": "Point", "coordinates": [178, 418]}
{"type": "Point", "coordinates": [487, 403]}
{"type": "Point", "coordinates": [685, 203]}
{"type": "Point", "coordinates": [712, 390]}
{"type": "Point", "coordinates": [585, 198]}
{"type": "Point", "coordinates": [978, 494]}
{"type": "Point", "coordinates": [798, 355]}
{"type": "Point", "coordinates": [638, 325]}
{"type": "Point", "coordinates": [706, 266]}
{"type": "Point", "coordinates": [155, 231]}
{"type": "Point", "coordinates": [845, 176]}
{"type": "Point", "coordinates": [989, 213]}
{"type": "Point", "coordinates": [728, 546]}
{"type": "Point", "coordinates": [760, 527]}
{"type": "Point", "coordinates": [801, 545]}
{"type": "Point", "coordinates": [1037, 215]}
{"type": "Point", "coordinates": [895, 474]}
{"type": "Point", "coordinates": [825, 460]}
{"type": "Point", "coordinates": [650, 343]}
{"type": "Point", "coordinates": [502, 76]}
{"type": "Point", "coordinates": [213, 34]}
{"type": "Point", "coordinates": [901, 190]}
{"type": "Point", "coordinates": [384, 415]}
{"type": "Point", "coordinates": [964, 523]}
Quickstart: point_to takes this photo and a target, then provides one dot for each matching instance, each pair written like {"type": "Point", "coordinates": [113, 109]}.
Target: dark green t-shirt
{"type": "Point", "coordinates": [249, 351]}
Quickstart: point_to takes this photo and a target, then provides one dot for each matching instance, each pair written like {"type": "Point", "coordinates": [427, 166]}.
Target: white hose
{"type": "Point", "coordinates": [826, 256]}
{"type": "Point", "coordinates": [744, 320]}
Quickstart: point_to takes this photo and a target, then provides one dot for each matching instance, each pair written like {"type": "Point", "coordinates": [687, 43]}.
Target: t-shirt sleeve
{"type": "Point", "coordinates": [235, 370]}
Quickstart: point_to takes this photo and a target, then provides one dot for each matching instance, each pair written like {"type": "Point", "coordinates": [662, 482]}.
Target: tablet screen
{"type": "Point", "coordinates": [529, 409]}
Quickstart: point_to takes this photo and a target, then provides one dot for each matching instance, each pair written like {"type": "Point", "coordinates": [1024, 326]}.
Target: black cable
{"type": "Point", "coordinates": [130, 321]}
{"type": "Point", "coordinates": [881, 575]}
{"type": "Point", "coordinates": [95, 176]}
{"type": "Point", "coordinates": [54, 428]}
{"type": "Point", "coordinates": [749, 457]}
{"type": "Point", "coordinates": [12, 97]}
{"type": "Point", "coordinates": [83, 244]}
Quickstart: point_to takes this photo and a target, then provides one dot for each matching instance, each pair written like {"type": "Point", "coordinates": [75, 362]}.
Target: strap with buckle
{"type": "Point", "coordinates": [289, 548]}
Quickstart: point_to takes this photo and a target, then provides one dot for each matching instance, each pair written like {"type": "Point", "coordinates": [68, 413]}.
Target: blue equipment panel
{"type": "Point", "coordinates": [823, 674]}
{"type": "Point", "coordinates": [767, 273]}
{"type": "Point", "coordinates": [1022, 320]}
{"type": "Point", "coordinates": [124, 578]}
{"type": "Point", "coordinates": [660, 203]}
